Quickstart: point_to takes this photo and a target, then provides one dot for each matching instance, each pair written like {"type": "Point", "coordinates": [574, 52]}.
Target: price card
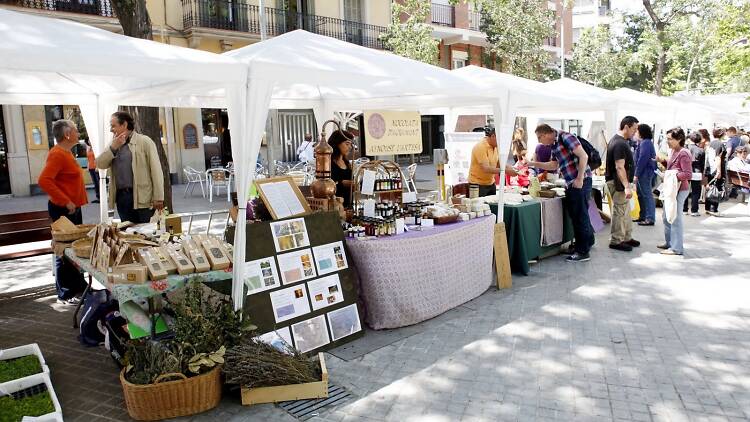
{"type": "Point", "coordinates": [369, 207]}
{"type": "Point", "coordinates": [400, 225]}
{"type": "Point", "coordinates": [368, 182]}
{"type": "Point", "coordinates": [427, 222]}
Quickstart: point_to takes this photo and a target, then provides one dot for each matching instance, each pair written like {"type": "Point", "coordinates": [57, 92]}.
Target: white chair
{"type": "Point", "coordinates": [193, 177]}
{"type": "Point", "coordinates": [218, 178]}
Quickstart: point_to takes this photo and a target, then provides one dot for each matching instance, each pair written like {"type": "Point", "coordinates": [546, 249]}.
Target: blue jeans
{"type": "Point", "coordinates": [673, 232]}
{"type": "Point", "coordinates": [577, 204]}
{"type": "Point", "coordinates": [646, 197]}
{"type": "Point", "coordinates": [69, 282]}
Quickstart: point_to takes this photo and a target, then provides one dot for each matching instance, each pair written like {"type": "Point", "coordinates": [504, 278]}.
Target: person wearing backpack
{"type": "Point", "coordinates": [570, 157]}
{"type": "Point", "coordinates": [619, 176]}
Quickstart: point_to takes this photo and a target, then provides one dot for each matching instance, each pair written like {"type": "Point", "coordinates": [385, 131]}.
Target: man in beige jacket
{"type": "Point", "coordinates": [136, 183]}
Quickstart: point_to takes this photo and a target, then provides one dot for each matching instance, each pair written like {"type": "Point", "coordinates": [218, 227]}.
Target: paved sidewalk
{"type": "Point", "coordinates": [627, 337]}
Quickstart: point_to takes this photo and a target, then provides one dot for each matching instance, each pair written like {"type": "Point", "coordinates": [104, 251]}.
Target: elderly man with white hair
{"type": "Point", "coordinates": [62, 180]}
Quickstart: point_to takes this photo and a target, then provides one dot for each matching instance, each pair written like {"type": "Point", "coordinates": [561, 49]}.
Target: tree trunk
{"type": "Point", "coordinates": [661, 62]}
{"type": "Point", "coordinates": [136, 23]}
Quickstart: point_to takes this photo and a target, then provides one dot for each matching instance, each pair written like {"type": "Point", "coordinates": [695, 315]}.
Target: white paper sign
{"type": "Point", "coordinates": [409, 197]}
{"type": "Point", "coordinates": [369, 207]}
{"type": "Point", "coordinates": [330, 258]}
{"type": "Point", "coordinates": [427, 222]}
{"type": "Point", "coordinates": [289, 234]}
{"type": "Point", "coordinates": [368, 182]}
{"type": "Point", "coordinates": [296, 266]}
{"type": "Point", "coordinates": [400, 225]}
{"type": "Point", "coordinates": [289, 303]}
{"type": "Point", "coordinates": [325, 291]}
{"type": "Point", "coordinates": [280, 338]}
{"type": "Point", "coordinates": [344, 321]}
{"type": "Point", "coordinates": [311, 334]}
{"type": "Point", "coordinates": [261, 275]}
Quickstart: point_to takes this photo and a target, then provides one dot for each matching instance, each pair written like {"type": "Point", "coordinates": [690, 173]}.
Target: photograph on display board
{"type": "Point", "coordinates": [296, 266]}
{"type": "Point", "coordinates": [261, 275]}
{"type": "Point", "coordinates": [325, 291]}
{"type": "Point", "coordinates": [344, 322]}
{"type": "Point", "coordinates": [281, 339]}
{"type": "Point", "coordinates": [311, 334]}
{"type": "Point", "coordinates": [289, 303]}
{"type": "Point", "coordinates": [330, 257]}
{"type": "Point", "coordinates": [290, 234]}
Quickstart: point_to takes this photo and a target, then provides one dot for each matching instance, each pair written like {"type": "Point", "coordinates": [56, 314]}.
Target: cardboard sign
{"type": "Point", "coordinates": [393, 132]}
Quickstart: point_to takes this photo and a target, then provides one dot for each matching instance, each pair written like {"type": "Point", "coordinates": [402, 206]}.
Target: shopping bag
{"type": "Point", "coordinates": [635, 207]}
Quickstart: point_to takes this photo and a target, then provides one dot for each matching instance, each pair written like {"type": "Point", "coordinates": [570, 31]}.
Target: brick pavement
{"type": "Point", "coordinates": [624, 337]}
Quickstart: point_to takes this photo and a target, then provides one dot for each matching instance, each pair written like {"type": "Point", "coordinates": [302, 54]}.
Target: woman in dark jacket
{"type": "Point", "coordinates": [341, 168]}
{"type": "Point", "coordinates": [645, 165]}
{"type": "Point", "coordinates": [694, 145]}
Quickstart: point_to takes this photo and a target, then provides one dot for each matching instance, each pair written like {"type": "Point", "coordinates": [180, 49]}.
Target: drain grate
{"type": "Point", "coordinates": [306, 409]}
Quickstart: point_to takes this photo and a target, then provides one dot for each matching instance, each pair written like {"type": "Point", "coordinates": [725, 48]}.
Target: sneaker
{"type": "Point", "coordinates": [578, 257]}
{"type": "Point", "coordinates": [638, 220]}
{"type": "Point", "coordinates": [669, 252]}
{"type": "Point", "coordinates": [621, 246]}
{"type": "Point", "coordinates": [684, 213]}
{"type": "Point", "coordinates": [73, 301]}
{"type": "Point", "coordinates": [663, 246]}
{"type": "Point", "coordinates": [646, 223]}
{"type": "Point", "coordinates": [634, 243]}
{"type": "Point", "coordinates": [695, 214]}
{"type": "Point", "coordinates": [95, 201]}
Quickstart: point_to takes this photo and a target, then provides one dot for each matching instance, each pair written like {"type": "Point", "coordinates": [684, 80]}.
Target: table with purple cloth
{"type": "Point", "coordinates": [418, 275]}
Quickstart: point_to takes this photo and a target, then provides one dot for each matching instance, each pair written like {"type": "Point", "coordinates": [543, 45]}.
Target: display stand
{"type": "Point", "coordinates": [384, 170]}
{"type": "Point", "coordinates": [306, 291]}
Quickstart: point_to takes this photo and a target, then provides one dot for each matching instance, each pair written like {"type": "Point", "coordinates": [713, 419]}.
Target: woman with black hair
{"type": "Point", "coordinates": [645, 165]}
{"type": "Point", "coordinates": [696, 182]}
{"type": "Point", "coordinates": [341, 168]}
{"type": "Point", "coordinates": [679, 160]}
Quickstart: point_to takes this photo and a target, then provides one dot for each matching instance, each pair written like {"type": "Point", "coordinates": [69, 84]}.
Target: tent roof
{"type": "Point", "coordinates": [530, 95]}
{"type": "Point", "coordinates": [581, 88]}
{"type": "Point", "coordinates": [46, 60]}
{"type": "Point", "coordinates": [307, 68]}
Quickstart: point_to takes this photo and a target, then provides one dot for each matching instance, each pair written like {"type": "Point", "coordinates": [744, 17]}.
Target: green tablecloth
{"type": "Point", "coordinates": [523, 227]}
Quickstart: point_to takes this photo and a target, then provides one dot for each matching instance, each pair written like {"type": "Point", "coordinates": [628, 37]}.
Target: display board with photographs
{"type": "Point", "coordinates": [309, 299]}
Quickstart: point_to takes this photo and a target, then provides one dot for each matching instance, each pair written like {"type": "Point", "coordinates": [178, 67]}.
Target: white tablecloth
{"type": "Point", "coordinates": [413, 277]}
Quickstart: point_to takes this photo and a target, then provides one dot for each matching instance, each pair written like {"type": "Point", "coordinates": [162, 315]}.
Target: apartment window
{"type": "Point", "coordinates": [459, 59]}
{"type": "Point", "coordinates": [353, 10]}
{"type": "Point", "coordinates": [459, 63]}
{"type": "Point", "coordinates": [584, 3]}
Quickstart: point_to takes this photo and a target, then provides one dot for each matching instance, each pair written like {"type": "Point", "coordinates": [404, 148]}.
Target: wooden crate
{"type": "Point", "coordinates": [310, 390]}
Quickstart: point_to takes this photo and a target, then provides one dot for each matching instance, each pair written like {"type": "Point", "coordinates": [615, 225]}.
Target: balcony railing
{"type": "Point", "coordinates": [443, 14]}
{"type": "Point", "coordinates": [475, 19]}
{"type": "Point", "coordinates": [237, 16]}
{"type": "Point", "coordinates": [87, 7]}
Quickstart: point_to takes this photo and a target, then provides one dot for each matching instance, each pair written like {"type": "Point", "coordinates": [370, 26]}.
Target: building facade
{"type": "Point", "coordinates": [211, 25]}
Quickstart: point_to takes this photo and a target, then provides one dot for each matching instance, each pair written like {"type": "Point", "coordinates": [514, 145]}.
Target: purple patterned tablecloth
{"type": "Point", "coordinates": [416, 276]}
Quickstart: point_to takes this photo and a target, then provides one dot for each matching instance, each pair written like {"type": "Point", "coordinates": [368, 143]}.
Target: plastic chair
{"type": "Point", "coordinates": [193, 177]}
{"type": "Point", "coordinates": [218, 178]}
{"type": "Point", "coordinates": [411, 172]}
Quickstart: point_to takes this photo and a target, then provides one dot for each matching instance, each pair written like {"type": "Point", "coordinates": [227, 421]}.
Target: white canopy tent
{"type": "Point", "coordinates": [304, 70]}
{"type": "Point", "coordinates": [49, 61]}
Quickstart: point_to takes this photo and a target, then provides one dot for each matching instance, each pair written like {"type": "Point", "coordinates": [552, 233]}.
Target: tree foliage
{"type": "Point", "coordinates": [733, 32]}
{"type": "Point", "coordinates": [516, 30]}
{"type": "Point", "coordinates": [595, 60]}
{"type": "Point", "coordinates": [411, 38]}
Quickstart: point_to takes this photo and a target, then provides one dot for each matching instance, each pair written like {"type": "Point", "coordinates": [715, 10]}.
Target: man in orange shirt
{"type": "Point", "coordinates": [485, 164]}
{"type": "Point", "coordinates": [62, 180]}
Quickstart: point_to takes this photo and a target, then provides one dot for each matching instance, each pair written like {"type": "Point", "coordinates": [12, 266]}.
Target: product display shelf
{"type": "Point", "coordinates": [384, 170]}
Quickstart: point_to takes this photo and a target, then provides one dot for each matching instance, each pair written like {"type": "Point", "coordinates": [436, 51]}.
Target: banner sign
{"type": "Point", "coordinates": [392, 132]}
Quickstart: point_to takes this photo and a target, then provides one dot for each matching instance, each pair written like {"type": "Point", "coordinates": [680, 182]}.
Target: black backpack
{"type": "Point", "coordinates": [595, 160]}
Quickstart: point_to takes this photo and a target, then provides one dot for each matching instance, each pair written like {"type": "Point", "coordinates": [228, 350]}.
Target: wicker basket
{"type": "Point", "coordinates": [170, 399]}
{"type": "Point", "coordinates": [68, 236]}
{"type": "Point", "coordinates": [82, 247]}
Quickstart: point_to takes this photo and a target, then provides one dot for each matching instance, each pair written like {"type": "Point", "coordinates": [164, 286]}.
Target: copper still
{"type": "Point", "coordinates": [323, 187]}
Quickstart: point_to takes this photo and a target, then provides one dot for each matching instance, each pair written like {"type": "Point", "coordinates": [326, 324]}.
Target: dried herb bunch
{"type": "Point", "coordinates": [148, 359]}
{"type": "Point", "coordinates": [206, 319]}
{"type": "Point", "coordinates": [253, 363]}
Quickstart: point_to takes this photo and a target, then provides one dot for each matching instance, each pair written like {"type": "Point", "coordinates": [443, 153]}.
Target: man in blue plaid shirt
{"type": "Point", "coordinates": [569, 157]}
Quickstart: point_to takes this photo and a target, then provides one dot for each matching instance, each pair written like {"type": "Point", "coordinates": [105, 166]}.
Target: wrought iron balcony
{"type": "Point", "coordinates": [87, 7]}
{"type": "Point", "coordinates": [443, 15]}
{"type": "Point", "coordinates": [475, 19]}
{"type": "Point", "coordinates": [238, 16]}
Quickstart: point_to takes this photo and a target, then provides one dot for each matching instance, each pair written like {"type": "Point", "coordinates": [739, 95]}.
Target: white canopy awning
{"type": "Point", "coordinates": [55, 61]}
